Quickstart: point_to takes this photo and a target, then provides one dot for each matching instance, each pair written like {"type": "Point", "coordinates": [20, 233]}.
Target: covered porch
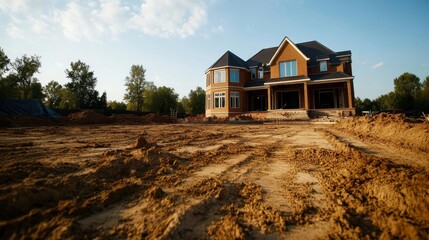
{"type": "Point", "coordinates": [332, 97]}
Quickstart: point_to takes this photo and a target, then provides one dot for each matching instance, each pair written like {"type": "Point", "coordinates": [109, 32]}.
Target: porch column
{"type": "Point", "coordinates": [349, 93]}
{"type": "Point", "coordinates": [269, 97]}
{"type": "Point", "coordinates": [305, 96]}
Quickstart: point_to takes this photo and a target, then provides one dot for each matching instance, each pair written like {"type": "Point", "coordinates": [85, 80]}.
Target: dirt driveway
{"type": "Point", "coordinates": [193, 181]}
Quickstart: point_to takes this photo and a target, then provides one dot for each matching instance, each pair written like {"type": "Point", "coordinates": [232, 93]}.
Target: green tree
{"type": "Point", "coordinates": [407, 88]}
{"type": "Point", "coordinates": [386, 101]}
{"type": "Point", "coordinates": [116, 105]}
{"type": "Point", "coordinates": [52, 92]}
{"type": "Point", "coordinates": [102, 101]}
{"type": "Point", "coordinates": [184, 106]}
{"type": "Point", "coordinates": [9, 87]}
{"type": "Point", "coordinates": [24, 69]}
{"type": "Point", "coordinates": [160, 100]}
{"type": "Point", "coordinates": [68, 99]}
{"type": "Point", "coordinates": [4, 63]}
{"type": "Point", "coordinates": [197, 101]}
{"type": "Point", "coordinates": [135, 84]}
{"type": "Point", "coordinates": [36, 90]}
{"type": "Point", "coordinates": [83, 84]}
{"type": "Point", "coordinates": [423, 99]}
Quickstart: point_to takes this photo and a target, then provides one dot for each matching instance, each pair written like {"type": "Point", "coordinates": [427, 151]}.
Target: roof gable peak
{"type": "Point", "coordinates": [285, 41]}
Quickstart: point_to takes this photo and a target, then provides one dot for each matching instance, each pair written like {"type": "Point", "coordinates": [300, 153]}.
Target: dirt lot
{"type": "Point", "coordinates": [216, 181]}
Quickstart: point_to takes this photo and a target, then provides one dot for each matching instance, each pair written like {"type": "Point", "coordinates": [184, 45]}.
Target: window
{"type": "Point", "coordinates": [323, 66]}
{"type": "Point", "coordinates": [219, 76]}
{"type": "Point", "coordinates": [234, 99]}
{"type": "Point", "coordinates": [208, 79]}
{"type": "Point", "coordinates": [234, 75]}
{"type": "Point", "coordinates": [208, 101]}
{"type": "Point", "coordinates": [288, 69]}
{"type": "Point", "coordinates": [219, 100]}
{"type": "Point", "coordinates": [261, 74]}
{"type": "Point", "coordinates": [253, 73]}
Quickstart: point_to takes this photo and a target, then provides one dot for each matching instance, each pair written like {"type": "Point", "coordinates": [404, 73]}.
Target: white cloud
{"type": "Point", "coordinates": [377, 65]}
{"type": "Point", "coordinates": [166, 18]}
{"type": "Point", "coordinates": [95, 20]}
{"type": "Point", "coordinates": [218, 29]}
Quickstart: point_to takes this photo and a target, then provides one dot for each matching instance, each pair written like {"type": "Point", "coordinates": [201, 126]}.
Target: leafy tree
{"type": "Point", "coordinates": [83, 84]}
{"type": "Point", "coordinates": [197, 101]}
{"type": "Point", "coordinates": [365, 105]}
{"type": "Point", "coordinates": [9, 87]}
{"type": "Point", "coordinates": [102, 102]}
{"type": "Point", "coordinates": [407, 88]}
{"type": "Point", "coordinates": [184, 106]}
{"type": "Point", "coordinates": [423, 98]}
{"type": "Point", "coordinates": [52, 92]}
{"type": "Point", "coordinates": [135, 84]}
{"type": "Point", "coordinates": [36, 90]}
{"type": "Point", "coordinates": [68, 99]}
{"type": "Point", "coordinates": [4, 63]}
{"type": "Point", "coordinates": [24, 69]}
{"type": "Point", "coordinates": [116, 105]}
{"type": "Point", "coordinates": [387, 101]}
{"type": "Point", "coordinates": [160, 100]}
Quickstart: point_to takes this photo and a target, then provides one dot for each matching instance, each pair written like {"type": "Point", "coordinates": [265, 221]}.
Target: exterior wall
{"type": "Point", "coordinates": [226, 87]}
{"type": "Point", "coordinates": [289, 53]}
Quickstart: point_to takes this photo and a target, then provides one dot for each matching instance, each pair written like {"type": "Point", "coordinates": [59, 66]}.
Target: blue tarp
{"type": "Point", "coordinates": [30, 107]}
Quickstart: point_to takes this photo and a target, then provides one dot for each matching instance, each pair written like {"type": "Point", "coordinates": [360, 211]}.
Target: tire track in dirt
{"type": "Point", "coordinates": [401, 156]}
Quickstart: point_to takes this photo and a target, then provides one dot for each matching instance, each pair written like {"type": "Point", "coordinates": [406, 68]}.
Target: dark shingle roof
{"type": "Point", "coordinates": [316, 51]}
{"type": "Point", "coordinates": [262, 57]}
{"type": "Point", "coordinates": [313, 49]}
{"type": "Point", "coordinates": [328, 75]}
{"type": "Point", "coordinates": [229, 59]}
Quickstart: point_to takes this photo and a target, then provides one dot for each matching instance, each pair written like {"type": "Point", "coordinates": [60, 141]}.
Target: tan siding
{"type": "Point", "coordinates": [289, 53]}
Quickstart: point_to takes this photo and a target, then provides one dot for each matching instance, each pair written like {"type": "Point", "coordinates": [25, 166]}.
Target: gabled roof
{"type": "Point", "coordinates": [262, 57]}
{"type": "Point", "coordinates": [229, 59]}
{"type": "Point", "coordinates": [317, 52]}
{"type": "Point", "coordinates": [285, 41]}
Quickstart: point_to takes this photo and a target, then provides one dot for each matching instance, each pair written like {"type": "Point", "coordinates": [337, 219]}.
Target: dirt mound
{"type": "Point", "coordinates": [392, 128]}
{"type": "Point", "coordinates": [155, 118]}
{"type": "Point", "coordinates": [88, 117]}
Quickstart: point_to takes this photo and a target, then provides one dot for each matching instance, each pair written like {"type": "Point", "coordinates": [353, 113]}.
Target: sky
{"type": "Point", "coordinates": [177, 40]}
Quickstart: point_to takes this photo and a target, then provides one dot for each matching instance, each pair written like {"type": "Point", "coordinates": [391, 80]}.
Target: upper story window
{"type": "Point", "coordinates": [261, 74]}
{"type": "Point", "coordinates": [323, 66]}
{"type": "Point", "coordinates": [234, 75]}
{"type": "Point", "coordinates": [253, 73]}
{"type": "Point", "coordinates": [219, 76]}
{"type": "Point", "coordinates": [288, 69]}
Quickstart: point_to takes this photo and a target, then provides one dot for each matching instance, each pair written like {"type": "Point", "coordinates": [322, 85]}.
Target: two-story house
{"type": "Point", "coordinates": [306, 76]}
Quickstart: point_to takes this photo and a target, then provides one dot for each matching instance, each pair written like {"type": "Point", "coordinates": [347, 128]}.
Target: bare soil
{"type": "Point", "coordinates": [353, 180]}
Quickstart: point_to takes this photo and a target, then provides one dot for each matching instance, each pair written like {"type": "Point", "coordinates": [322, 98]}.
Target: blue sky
{"type": "Point", "coordinates": [176, 41]}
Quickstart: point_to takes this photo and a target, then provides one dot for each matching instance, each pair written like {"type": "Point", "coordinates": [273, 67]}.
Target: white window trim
{"type": "Point", "coordinates": [219, 97]}
{"type": "Point", "coordinates": [326, 66]}
{"type": "Point", "coordinates": [220, 71]}
{"type": "Point", "coordinates": [259, 74]}
{"type": "Point", "coordinates": [237, 103]}
{"type": "Point", "coordinates": [285, 68]}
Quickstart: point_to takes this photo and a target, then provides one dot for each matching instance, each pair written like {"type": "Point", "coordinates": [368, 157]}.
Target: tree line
{"type": "Point", "coordinates": [17, 81]}
{"type": "Point", "coordinates": [409, 94]}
